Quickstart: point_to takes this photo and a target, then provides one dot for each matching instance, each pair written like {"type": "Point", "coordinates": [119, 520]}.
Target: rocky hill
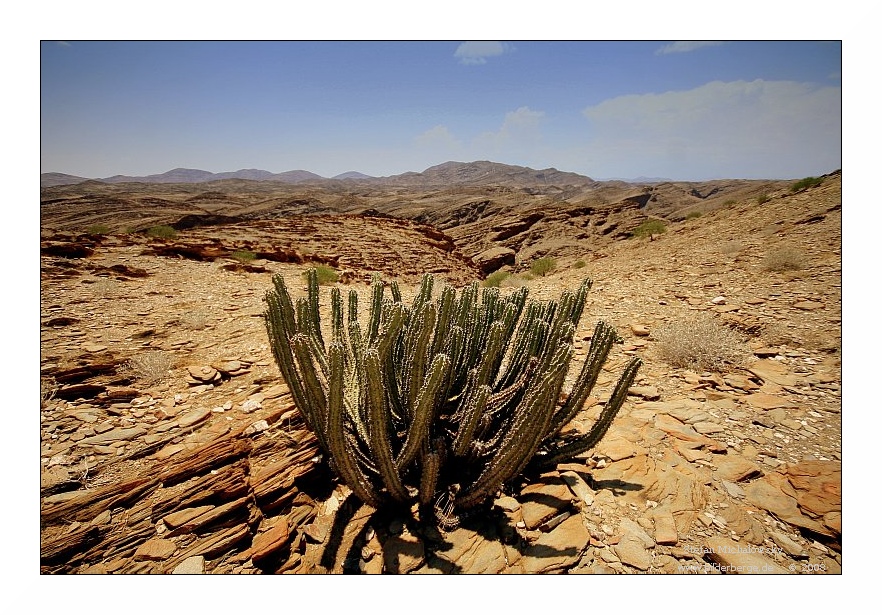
{"type": "Point", "coordinates": [169, 442]}
{"type": "Point", "coordinates": [481, 206]}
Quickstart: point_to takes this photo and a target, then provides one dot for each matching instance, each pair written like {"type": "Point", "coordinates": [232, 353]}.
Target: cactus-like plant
{"type": "Point", "coordinates": [445, 400]}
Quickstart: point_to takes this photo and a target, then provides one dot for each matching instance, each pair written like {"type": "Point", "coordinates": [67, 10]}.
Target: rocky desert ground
{"type": "Point", "coordinates": [170, 444]}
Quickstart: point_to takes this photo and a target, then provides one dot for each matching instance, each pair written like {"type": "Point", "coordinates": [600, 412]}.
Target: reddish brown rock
{"type": "Point", "coordinates": [665, 528]}
{"type": "Point", "coordinates": [490, 260]}
{"type": "Point", "coordinates": [271, 541]}
{"type": "Point", "coordinates": [735, 468]}
{"type": "Point", "coordinates": [156, 549]}
{"type": "Point", "coordinates": [560, 548]}
{"type": "Point", "coordinates": [766, 401]}
{"type": "Point", "coordinates": [402, 554]}
{"type": "Point", "coordinates": [541, 501]}
{"type": "Point", "coordinates": [818, 485]}
{"type": "Point", "coordinates": [177, 519]}
{"type": "Point", "coordinates": [470, 553]}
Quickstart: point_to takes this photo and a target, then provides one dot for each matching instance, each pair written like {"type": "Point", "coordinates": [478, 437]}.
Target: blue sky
{"type": "Point", "coordinates": [683, 110]}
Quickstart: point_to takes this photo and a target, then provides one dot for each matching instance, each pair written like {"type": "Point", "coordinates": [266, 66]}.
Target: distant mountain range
{"type": "Point", "coordinates": [446, 174]}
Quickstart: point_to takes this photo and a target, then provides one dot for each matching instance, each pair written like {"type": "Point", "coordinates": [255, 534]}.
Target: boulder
{"type": "Point", "coordinates": [490, 260]}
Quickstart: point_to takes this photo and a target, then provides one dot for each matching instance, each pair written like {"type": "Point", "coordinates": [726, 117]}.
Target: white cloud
{"type": "Point", "coordinates": [520, 128]}
{"type": "Point", "coordinates": [684, 46]}
{"type": "Point", "coordinates": [477, 52]}
{"type": "Point", "coordinates": [439, 136]}
{"type": "Point", "coordinates": [772, 129]}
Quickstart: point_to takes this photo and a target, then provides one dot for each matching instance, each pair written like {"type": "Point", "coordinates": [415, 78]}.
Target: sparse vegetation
{"type": "Point", "coordinates": [105, 287]}
{"type": "Point", "coordinates": [777, 333]}
{"type": "Point", "coordinates": [784, 259]}
{"type": "Point", "coordinates": [699, 343]}
{"type": "Point", "coordinates": [162, 232]}
{"type": "Point", "coordinates": [496, 278]}
{"type": "Point", "coordinates": [194, 320]}
{"type": "Point", "coordinates": [444, 401]}
{"type": "Point", "coordinates": [543, 266]}
{"type": "Point", "coordinates": [693, 214]}
{"type": "Point", "coordinates": [732, 247]}
{"type": "Point", "coordinates": [730, 202]}
{"type": "Point", "coordinates": [806, 182]}
{"type": "Point", "coordinates": [579, 264]}
{"type": "Point", "coordinates": [243, 256]}
{"type": "Point", "coordinates": [514, 281]}
{"type": "Point", "coordinates": [151, 366]}
{"type": "Point", "coordinates": [98, 229]}
{"type": "Point", "coordinates": [648, 228]}
{"type": "Point", "coordinates": [763, 198]}
{"type": "Point", "coordinates": [326, 275]}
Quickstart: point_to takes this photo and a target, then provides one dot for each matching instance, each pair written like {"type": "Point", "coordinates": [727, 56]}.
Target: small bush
{"type": "Point", "coordinates": [98, 229]}
{"type": "Point", "coordinates": [807, 182]}
{"type": "Point", "coordinates": [543, 266]}
{"type": "Point", "coordinates": [730, 202]}
{"type": "Point", "coordinates": [194, 320]}
{"type": "Point", "coordinates": [326, 275]}
{"type": "Point", "coordinates": [243, 256]}
{"type": "Point", "coordinates": [649, 227]}
{"type": "Point", "coordinates": [162, 232]}
{"type": "Point", "coordinates": [783, 259]}
{"type": "Point", "coordinates": [763, 198]}
{"type": "Point", "coordinates": [732, 247]}
{"type": "Point", "coordinates": [693, 214]}
{"type": "Point", "coordinates": [579, 264]}
{"type": "Point", "coordinates": [105, 287]}
{"type": "Point", "coordinates": [496, 278]}
{"type": "Point", "coordinates": [699, 343]}
{"type": "Point", "coordinates": [151, 366]}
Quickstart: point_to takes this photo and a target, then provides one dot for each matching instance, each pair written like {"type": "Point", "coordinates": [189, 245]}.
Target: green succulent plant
{"type": "Point", "coordinates": [444, 400]}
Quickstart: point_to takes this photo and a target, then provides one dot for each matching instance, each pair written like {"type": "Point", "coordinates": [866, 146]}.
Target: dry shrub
{"type": "Point", "coordinates": [543, 266]}
{"type": "Point", "coordinates": [151, 366]}
{"type": "Point", "coordinates": [700, 343]}
{"type": "Point", "coordinates": [732, 247]}
{"type": "Point", "coordinates": [784, 259]}
{"type": "Point", "coordinates": [495, 279]}
{"type": "Point", "coordinates": [194, 320]}
{"type": "Point", "coordinates": [106, 287]}
{"type": "Point", "coordinates": [777, 334]}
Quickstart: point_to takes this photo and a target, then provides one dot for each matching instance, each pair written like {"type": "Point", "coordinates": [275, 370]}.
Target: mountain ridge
{"type": "Point", "coordinates": [450, 172]}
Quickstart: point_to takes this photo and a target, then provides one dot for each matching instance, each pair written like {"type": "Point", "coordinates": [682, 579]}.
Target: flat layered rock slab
{"type": "Point", "coordinates": [471, 553]}
{"type": "Point", "coordinates": [765, 401]}
{"type": "Point", "coordinates": [630, 550]}
{"type": "Point", "coordinates": [558, 549]}
{"type": "Point", "coordinates": [818, 485]}
{"type": "Point", "coordinates": [403, 554]}
{"type": "Point", "coordinates": [775, 494]}
{"type": "Point", "coordinates": [542, 501]}
{"type": "Point", "coordinates": [769, 370]}
{"type": "Point", "coordinates": [156, 549]}
{"type": "Point", "coordinates": [114, 435]}
{"type": "Point", "coordinates": [735, 468]}
{"type": "Point", "coordinates": [616, 448]}
{"type": "Point", "coordinates": [271, 541]}
{"type": "Point", "coordinates": [681, 431]}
